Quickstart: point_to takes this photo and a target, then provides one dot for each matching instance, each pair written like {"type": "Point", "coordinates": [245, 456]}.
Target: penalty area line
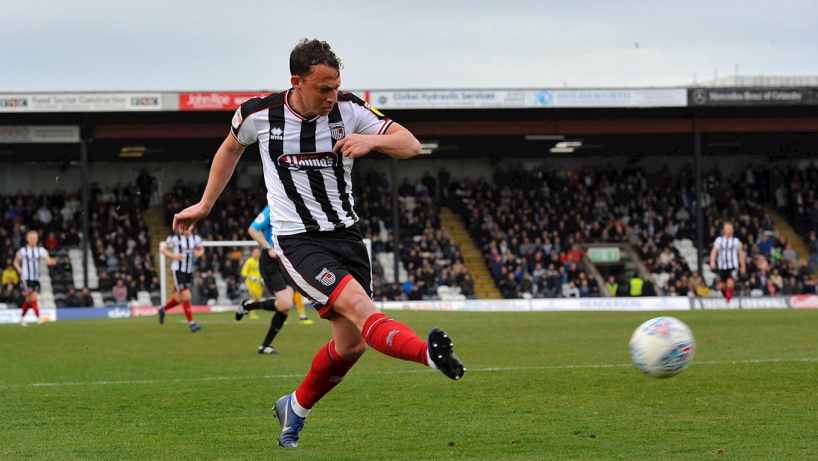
{"type": "Point", "coordinates": [396, 372]}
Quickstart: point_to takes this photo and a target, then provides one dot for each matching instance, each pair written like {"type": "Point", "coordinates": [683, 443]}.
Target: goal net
{"type": "Point", "coordinates": [246, 246]}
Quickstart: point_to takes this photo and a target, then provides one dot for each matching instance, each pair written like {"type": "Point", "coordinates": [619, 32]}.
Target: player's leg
{"type": "Point", "coordinates": [174, 301]}
{"type": "Point", "coordinates": [185, 298]}
{"type": "Point", "coordinates": [329, 367]}
{"type": "Point", "coordinates": [283, 305]}
{"type": "Point", "coordinates": [32, 301]}
{"type": "Point", "coordinates": [25, 307]}
{"type": "Point", "coordinates": [256, 290]}
{"type": "Point", "coordinates": [298, 300]}
{"type": "Point", "coordinates": [730, 289]}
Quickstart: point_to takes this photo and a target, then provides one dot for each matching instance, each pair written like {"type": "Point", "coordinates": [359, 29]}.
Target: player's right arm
{"type": "Point", "coordinates": [224, 162]}
{"type": "Point", "coordinates": [18, 265]}
{"type": "Point", "coordinates": [742, 261]}
{"type": "Point", "coordinates": [166, 251]}
{"type": "Point", "coordinates": [713, 253]}
{"type": "Point", "coordinates": [258, 236]}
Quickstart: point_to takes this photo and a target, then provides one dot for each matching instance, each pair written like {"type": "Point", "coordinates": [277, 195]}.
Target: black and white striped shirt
{"type": "Point", "coordinates": [727, 257]}
{"type": "Point", "coordinates": [30, 261]}
{"type": "Point", "coordinates": [180, 244]}
{"type": "Point", "coordinates": [309, 187]}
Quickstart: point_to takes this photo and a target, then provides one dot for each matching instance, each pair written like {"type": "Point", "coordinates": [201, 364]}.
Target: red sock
{"type": "Point", "coordinates": [327, 370]}
{"type": "Point", "coordinates": [728, 293]}
{"type": "Point", "coordinates": [390, 337]}
{"type": "Point", "coordinates": [25, 309]}
{"type": "Point", "coordinates": [188, 311]}
{"type": "Point", "coordinates": [36, 308]}
{"type": "Point", "coordinates": [170, 304]}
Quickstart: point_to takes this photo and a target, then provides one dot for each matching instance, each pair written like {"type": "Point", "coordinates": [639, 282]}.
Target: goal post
{"type": "Point", "coordinates": [164, 265]}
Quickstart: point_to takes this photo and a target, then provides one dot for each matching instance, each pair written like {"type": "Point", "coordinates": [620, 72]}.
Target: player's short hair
{"type": "Point", "coordinates": [308, 53]}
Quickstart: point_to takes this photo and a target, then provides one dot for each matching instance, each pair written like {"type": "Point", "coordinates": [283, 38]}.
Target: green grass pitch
{"type": "Point", "coordinates": [539, 386]}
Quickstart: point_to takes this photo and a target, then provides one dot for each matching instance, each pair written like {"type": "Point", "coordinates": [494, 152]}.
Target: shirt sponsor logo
{"type": "Point", "coordinates": [308, 161]}
{"type": "Point", "coordinates": [326, 277]}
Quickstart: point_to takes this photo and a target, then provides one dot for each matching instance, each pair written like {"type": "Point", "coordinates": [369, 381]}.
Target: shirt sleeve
{"type": "Point", "coordinates": [43, 253]}
{"type": "Point", "coordinates": [262, 221]}
{"type": "Point", "coordinates": [197, 241]}
{"type": "Point", "coordinates": [242, 127]}
{"type": "Point", "coordinates": [368, 120]}
{"type": "Point", "coordinates": [21, 254]}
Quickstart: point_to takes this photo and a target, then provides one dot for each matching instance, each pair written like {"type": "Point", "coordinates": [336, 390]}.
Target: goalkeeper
{"type": "Point", "coordinates": [268, 268]}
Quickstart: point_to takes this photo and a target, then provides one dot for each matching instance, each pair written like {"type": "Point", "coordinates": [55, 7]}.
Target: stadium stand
{"type": "Point", "coordinates": [527, 229]}
{"type": "Point", "coordinates": [432, 265]}
{"type": "Point", "coordinates": [532, 225]}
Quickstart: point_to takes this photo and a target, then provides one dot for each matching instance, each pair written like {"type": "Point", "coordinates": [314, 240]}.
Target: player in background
{"type": "Point", "coordinates": [183, 249]}
{"type": "Point", "coordinates": [726, 257]}
{"type": "Point", "coordinates": [252, 279]}
{"type": "Point", "coordinates": [262, 232]}
{"type": "Point", "coordinates": [27, 264]}
{"type": "Point", "coordinates": [308, 137]}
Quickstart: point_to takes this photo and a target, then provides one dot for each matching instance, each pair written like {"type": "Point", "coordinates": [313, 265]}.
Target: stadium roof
{"type": "Point", "coordinates": [761, 81]}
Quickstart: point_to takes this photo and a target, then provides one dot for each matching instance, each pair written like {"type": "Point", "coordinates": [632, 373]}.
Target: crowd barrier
{"type": "Point", "coordinates": [86, 313]}
{"type": "Point", "coordinates": [648, 303]}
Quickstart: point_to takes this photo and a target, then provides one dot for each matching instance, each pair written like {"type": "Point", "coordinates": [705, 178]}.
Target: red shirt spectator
{"type": "Point", "coordinates": [51, 241]}
{"type": "Point", "coordinates": [575, 254]}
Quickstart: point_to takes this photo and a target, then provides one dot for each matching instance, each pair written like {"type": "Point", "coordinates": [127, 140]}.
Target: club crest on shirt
{"type": "Point", "coordinates": [305, 161]}
{"type": "Point", "coordinates": [326, 277]}
{"type": "Point", "coordinates": [336, 130]}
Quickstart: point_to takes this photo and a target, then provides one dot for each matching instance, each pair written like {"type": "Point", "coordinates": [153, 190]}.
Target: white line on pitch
{"type": "Point", "coordinates": [486, 369]}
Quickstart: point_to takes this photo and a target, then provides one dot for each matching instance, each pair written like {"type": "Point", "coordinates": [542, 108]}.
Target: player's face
{"type": "Point", "coordinates": [256, 253]}
{"type": "Point", "coordinates": [318, 91]}
{"type": "Point", "coordinates": [728, 230]}
{"type": "Point", "coordinates": [31, 239]}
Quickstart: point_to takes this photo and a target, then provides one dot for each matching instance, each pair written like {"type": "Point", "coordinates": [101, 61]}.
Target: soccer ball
{"type": "Point", "coordinates": [662, 347]}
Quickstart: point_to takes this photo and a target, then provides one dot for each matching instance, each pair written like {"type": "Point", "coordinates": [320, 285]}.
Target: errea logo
{"type": "Point", "coordinates": [276, 134]}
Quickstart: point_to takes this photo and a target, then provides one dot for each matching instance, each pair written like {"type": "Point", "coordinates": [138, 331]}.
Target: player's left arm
{"type": "Point", "coordinates": [742, 262]}
{"type": "Point", "coordinates": [396, 142]}
{"type": "Point", "coordinates": [198, 249]}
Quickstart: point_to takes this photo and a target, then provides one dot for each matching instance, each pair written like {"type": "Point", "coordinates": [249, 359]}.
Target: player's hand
{"type": "Point", "coordinates": [176, 256]}
{"type": "Point", "coordinates": [742, 270]}
{"type": "Point", "coordinates": [185, 219]}
{"type": "Point", "coordinates": [354, 145]}
{"type": "Point", "coordinates": [272, 252]}
{"type": "Point", "coordinates": [713, 265]}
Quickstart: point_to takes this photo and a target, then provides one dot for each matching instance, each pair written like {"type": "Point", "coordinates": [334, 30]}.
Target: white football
{"type": "Point", "coordinates": [662, 347]}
